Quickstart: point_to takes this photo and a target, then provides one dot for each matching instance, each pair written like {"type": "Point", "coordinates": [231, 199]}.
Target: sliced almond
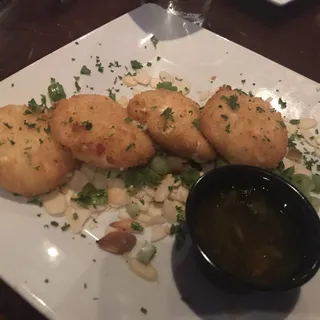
{"type": "Point", "coordinates": [117, 242]}
{"type": "Point", "coordinates": [143, 218]}
{"type": "Point", "coordinates": [307, 123]}
{"type": "Point", "coordinates": [163, 189]}
{"type": "Point", "coordinates": [157, 232]}
{"type": "Point", "coordinates": [78, 181]}
{"type": "Point", "coordinates": [182, 86]}
{"type": "Point", "coordinates": [150, 191]}
{"type": "Point", "coordinates": [115, 183]}
{"type": "Point", "coordinates": [294, 155]}
{"type": "Point", "coordinates": [55, 203]}
{"type": "Point", "coordinates": [124, 225]}
{"type": "Point", "coordinates": [166, 77]}
{"type": "Point", "coordinates": [155, 220]}
{"type": "Point", "coordinates": [142, 77]}
{"type": "Point", "coordinates": [155, 209]}
{"type": "Point", "coordinates": [170, 211]}
{"type": "Point", "coordinates": [123, 101]}
{"type": "Point", "coordinates": [146, 272]}
{"type": "Point", "coordinates": [179, 194]}
{"type": "Point", "coordinates": [88, 171]}
{"type": "Point", "coordinates": [129, 81]}
{"type": "Point", "coordinates": [154, 83]}
{"type": "Point", "coordinates": [308, 137]}
{"type": "Point", "coordinates": [77, 218]}
{"type": "Point", "coordinates": [118, 197]}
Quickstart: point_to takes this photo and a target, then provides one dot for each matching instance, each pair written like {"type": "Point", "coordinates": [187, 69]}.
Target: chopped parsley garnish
{"type": "Point", "coordinates": [75, 216]}
{"type": "Point", "coordinates": [142, 201]}
{"type": "Point", "coordinates": [143, 310]}
{"type": "Point", "coordinates": [128, 119]}
{"type": "Point", "coordinates": [7, 125]}
{"type": "Point", "coordinates": [137, 227]}
{"type": "Point", "coordinates": [65, 227]}
{"type": "Point", "coordinates": [228, 128]}
{"type": "Point", "coordinates": [158, 58]}
{"type": "Point", "coordinates": [33, 107]}
{"type": "Point", "coordinates": [47, 130]}
{"type": "Point", "coordinates": [282, 124]}
{"type": "Point", "coordinates": [29, 125]}
{"type": "Point", "coordinates": [54, 223]}
{"type": "Point", "coordinates": [130, 146]}
{"type": "Point", "coordinates": [223, 116]}
{"type": "Point", "coordinates": [243, 81]}
{"type": "Point", "coordinates": [154, 41]}
{"type": "Point", "coordinates": [87, 125]}
{"type": "Point", "coordinates": [282, 103]}
{"type": "Point", "coordinates": [35, 200]}
{"type": "Point", "coordinates": [83, 235]}
{"type": "Point", "coordinates": [232, 101]}
{"type": "Point", "coordinates": [111, 95]}
{"type": "Point", "coordinates": [179, 232]}
{"type": "Point", "coordinates": [179, 210]}
{"type": "Point", "coordinates": [46, 280]}
{"type": "Point", "coordinates": [260, 110]}
{"type": "Point", "coordinates": [78, 88]}
{"type": "Point", "coordinates": [85, 70]}
{"type": "Point", "coordinates": [136, 64]}
{"type": "Point", "coordinates": [37, 168]}
{"type": "Point", "coordinates": [196, 123]}
{"type": "Point", "coordinates": [11, 141]}
{"type": "Point", "coordinates": [251, 94]}
{"type": "Point", "coordinates": [309, 163]}
{"type": "Point", "coordinates": [294, 121]}
{"type": "Point", "coordinates": [168, 116]}
{"type": "Point", "coordinates": [41, 141]}
{"type": "Point", "coordinates": [167, 85]}
{"type": "Point", "coordinates": [149, 64]}
{"type": "Point", "coordinates": [99, 65]}
{"type": "Point", "coordinates": [131, 74]}
{"type": "Point", "coordinates": [90, 195]}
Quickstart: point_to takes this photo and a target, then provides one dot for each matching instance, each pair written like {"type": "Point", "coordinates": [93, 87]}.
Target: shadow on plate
{"type": "Point", "coordinates": [151, 18]}
{"type": "Point", "coordinates": [209, 303]}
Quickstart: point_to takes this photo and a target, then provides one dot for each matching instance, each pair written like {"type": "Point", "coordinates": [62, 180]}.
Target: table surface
{"type": "Point", "coordinates": [29, 30]}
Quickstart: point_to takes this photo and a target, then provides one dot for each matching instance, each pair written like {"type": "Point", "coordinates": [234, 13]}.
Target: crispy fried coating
{"type": "Point", "coordinates": [172, 121]}
{"type": "Point", "coordinates": [98, 131]}
{"type": "Point", "coordinates": [31, 162]}
{"type": "Point", "coordinates": [244, 129]}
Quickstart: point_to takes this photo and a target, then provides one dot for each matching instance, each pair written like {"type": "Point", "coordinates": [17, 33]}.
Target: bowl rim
{"type": "Point", "coordinates": [239, 282]}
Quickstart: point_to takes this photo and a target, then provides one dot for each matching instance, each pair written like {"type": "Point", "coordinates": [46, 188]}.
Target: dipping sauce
{"type": "Point", "coordinates": [243, 234]}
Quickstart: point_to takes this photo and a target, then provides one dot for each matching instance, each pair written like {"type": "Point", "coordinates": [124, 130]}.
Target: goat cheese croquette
{"type": "Point", "coordinates": [172, 120]}
{"type": "Point", "coordinates": [244, 129]}
{"type": "Point", "coordinates": [98, 131]}
{"type": "Point", "coordinates": [31, 162]}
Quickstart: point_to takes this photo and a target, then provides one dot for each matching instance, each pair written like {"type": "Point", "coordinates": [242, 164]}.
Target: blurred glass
{"type": "Point", "coordinates": [192, 10]}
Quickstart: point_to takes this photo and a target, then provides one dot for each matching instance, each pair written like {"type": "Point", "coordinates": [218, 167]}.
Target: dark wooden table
{"type": "Point", "coordinates": [30, 29]}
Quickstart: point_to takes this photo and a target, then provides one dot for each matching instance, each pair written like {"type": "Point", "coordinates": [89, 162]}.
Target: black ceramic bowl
{"type": "Point", "coordinates": [283, 194]}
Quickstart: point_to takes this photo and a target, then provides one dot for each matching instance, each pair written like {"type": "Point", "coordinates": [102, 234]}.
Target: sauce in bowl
{"type": "Point", "coordinates": [245, 235]}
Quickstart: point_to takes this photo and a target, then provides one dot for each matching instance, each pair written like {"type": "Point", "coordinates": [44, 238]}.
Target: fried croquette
{"type": "Point", "coordinates": [98, 131]}
{"type": "Point", "coordinates": [244, 129]}
{"type": "Point", "coordinates": [172, 121]}
{"type": "Point", "coordinates": [31, 162]}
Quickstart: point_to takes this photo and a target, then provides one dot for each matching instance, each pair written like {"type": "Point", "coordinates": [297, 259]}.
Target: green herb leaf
{"type": "Point", "coordinates": [232, 101]}
{"type": "Point", "coordinates": [54, 223]}
{"type": "Point", "coordinates": [137, 227]}
{"type": "Point", "coordinates": [167, 85]}
{"type": "Point", "coordinates": [282, 103]}
{"type": "Point", "coordinates": [136, 64]}
{"type": "Point", "coordinates": [35, 200]}
{"type": "Point", "coordinates": [87, 125]}
{"type": "Point", "coordinates": [154, 41]}
{"type": "Point", "coordinates": [75, 216]}
{"type": "Point", "coordinates": [228, 128]}
{"type": "Point", "coordinates": [128, 119]}
{"type": "Point", "coordinates": [196, 123]}
{"type": "Point", "coordinates": [294, 121]}
{"type": "Point", "coordinates": [7, 125]}
{"type": "Point", "coordinates": [130, 146]}
{"type": "Point", "coordinates": [85, 70]}
{"type": "Point", "coordinates": [90, 195]}
{"type": "Point", "coordinates": [260, 110]}
{"type": "Point", "coordinates": [65, 227]}
{"type": "Point", "coordinates": [223, 116]}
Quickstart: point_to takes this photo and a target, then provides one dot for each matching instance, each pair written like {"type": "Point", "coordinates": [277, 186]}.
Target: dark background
{"type": "Point", "coordinates": [30, 29]}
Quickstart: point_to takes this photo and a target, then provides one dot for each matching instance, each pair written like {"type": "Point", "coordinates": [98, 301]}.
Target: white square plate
{"type": "Point", "coordinates": [31, 253]}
